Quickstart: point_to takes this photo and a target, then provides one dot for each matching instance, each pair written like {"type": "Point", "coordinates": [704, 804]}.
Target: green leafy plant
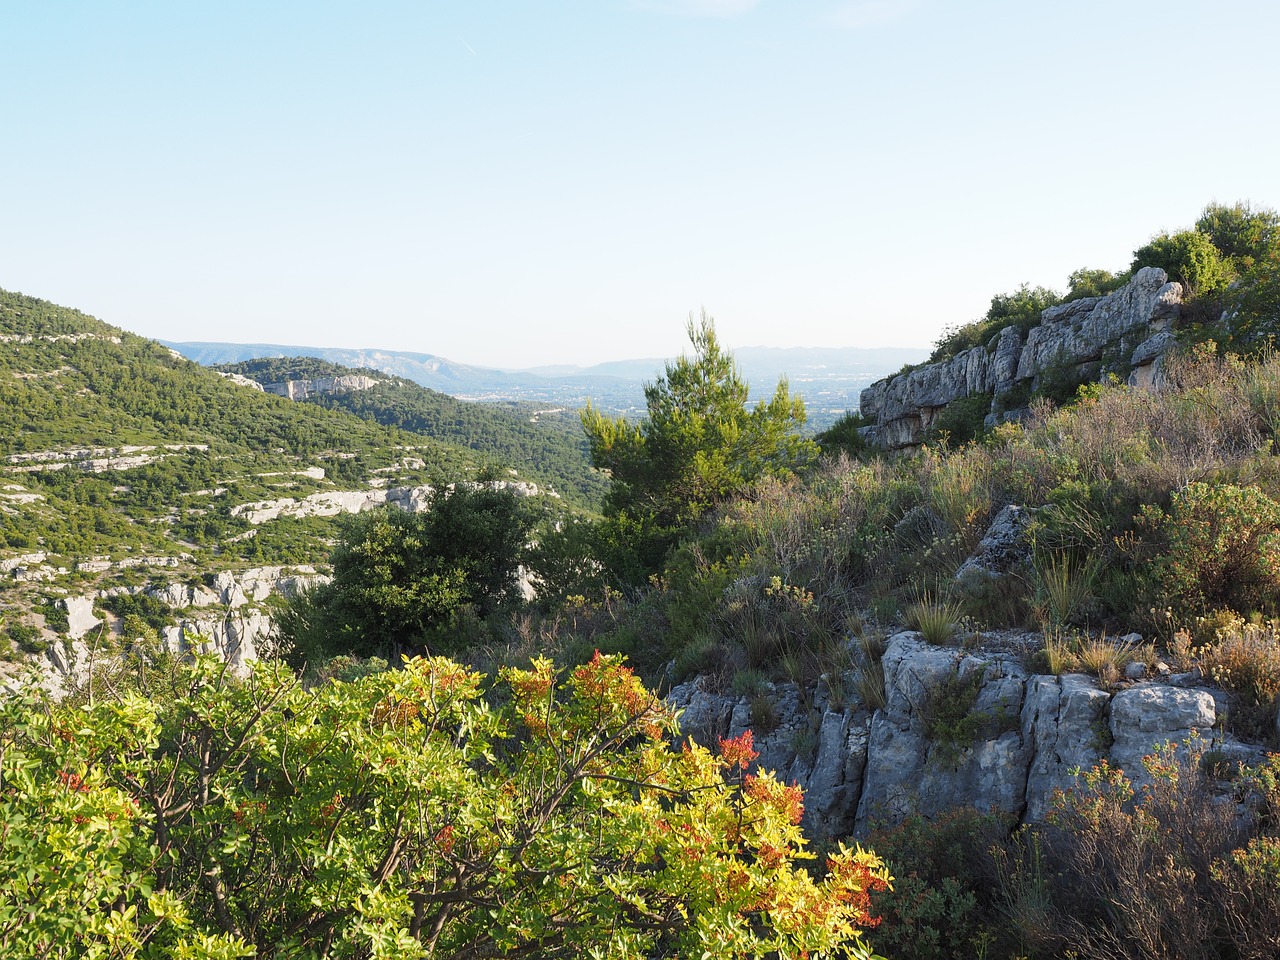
{"type": "Point", "coordinates": [952, 720]}
{"type": "Point", "coordinates": [402, 814]}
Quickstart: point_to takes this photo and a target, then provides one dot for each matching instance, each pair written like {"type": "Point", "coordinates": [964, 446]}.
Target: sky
{"type": "Point", "coordinates": [522, 183]}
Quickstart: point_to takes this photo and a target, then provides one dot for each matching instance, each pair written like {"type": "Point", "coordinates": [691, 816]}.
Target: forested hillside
{"type": "Point", "coordinates": [546, 444]}
{"type": "Point", "coordinates": [124, 466]}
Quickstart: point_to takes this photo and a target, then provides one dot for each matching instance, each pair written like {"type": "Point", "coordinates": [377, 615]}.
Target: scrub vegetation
{"type": "Point", "coordinates": [445, 764]}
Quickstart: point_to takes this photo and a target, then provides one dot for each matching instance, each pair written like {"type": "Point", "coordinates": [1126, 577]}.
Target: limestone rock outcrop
{"type": "Point", "coordinates": [1126, 331]}
{"type": "Point", "coordinates": [330, 503]}
{"type": "Point", "coordinates": [301, 389]}
{"type": "Point", "coordinates": [218, 617]}
{"type": "Point", "coordinates": [863, 767]}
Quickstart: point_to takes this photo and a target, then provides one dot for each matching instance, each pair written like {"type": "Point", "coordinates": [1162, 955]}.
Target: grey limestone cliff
{"type": "Point", "coordinates": [860, 767]}
{"type": "Point", "coordinates": [301, 389]}
{"type": "Point", "coordinates": [1126, 332]}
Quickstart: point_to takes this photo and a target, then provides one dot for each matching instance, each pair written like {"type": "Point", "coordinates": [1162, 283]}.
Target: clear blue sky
{"type": "Point", "coordinates": [530, 182]}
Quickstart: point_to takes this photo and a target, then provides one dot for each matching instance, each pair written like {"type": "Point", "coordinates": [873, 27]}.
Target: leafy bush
{"type": "Point", "coordinates": [1095, 283]}
{"type": "Point", "coordinates": [843, 436]}
{"type": "Point", "coordinates": [699, 446]}
{"type": "Point", "coordinates": [1188, 256]}
{"type": "Point", "coordinates": [405, 581]}
{"type": "Point", "coordinates": [952, 720]}
{"type": "Point", "coordinates": [960, 422]}
{"type": "Point", "coordinates": [144, 607]}
{"type": "Point", "coordinates": [27, 638]}
{"type": "Point", "coordinates": [941, 905]}
{"type": "Point", "coordinates": [399, 815]}
{"type": "Point", "coordinates": [1218, 549]}
{"type": "Point", "coordinates": [1240, 233]}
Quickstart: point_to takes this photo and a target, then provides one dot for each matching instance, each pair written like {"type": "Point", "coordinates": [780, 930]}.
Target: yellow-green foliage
{"type": "Point", "coordinates": [400, 815]}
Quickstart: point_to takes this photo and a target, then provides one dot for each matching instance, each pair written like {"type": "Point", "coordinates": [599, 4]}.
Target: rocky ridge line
{"type": "Point", "coordinates": [1126, 332]}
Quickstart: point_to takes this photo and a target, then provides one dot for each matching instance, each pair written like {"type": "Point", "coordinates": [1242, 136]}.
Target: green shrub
{"type": "Point", "coordinates": [1239, 232]}
{"type": "Point", "coordinates": [1218, 548]}
{"type": "Point", "coordinates": [960, 422]}
{"type": "Point", "coordinates": [1188, 256]}
{"type": "Point", "coordinates": [139, 607]}
{"type": "Point", "coordinates": [1020, 309]}
{"type": "Point", "coordinates": [55, 614]}
{"type": "Point", "coordinates": [941, 906]}
{"type": "Point", "coordinates": [952, 722]}
{"type": "Point", "coordinates": [27, 638]}
{"type": "Point", "coordinates": [1095, 283]}
{"type": "Point", "coordinates": [843, 436]}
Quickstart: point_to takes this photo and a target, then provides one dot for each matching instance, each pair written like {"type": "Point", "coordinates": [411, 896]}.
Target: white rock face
{"type": "Point", "coordinates": [235, 637]}
{"type": "Point", "coordinates": [97, 459]}
{"type": "Point", "coordinates": [330, 503]}
{"type": "Point", "coordinates": [1129, 327]}
{"type": "Point", "coordinates": [242, 381]}
{"type": "Point", "coordinates": [25, 560]}
{"type": "Point", "coordinates": [80, 618]}
{"type": "Point", "coordinates": [301, 389]}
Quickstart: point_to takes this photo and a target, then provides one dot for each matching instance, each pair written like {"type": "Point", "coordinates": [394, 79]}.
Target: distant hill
{"type": "Point", "coordinates": [117, 453]}
{"type": "Point", "coordinates": [829, 379]}
{"type": "Point", "coordinates": [548, 445]}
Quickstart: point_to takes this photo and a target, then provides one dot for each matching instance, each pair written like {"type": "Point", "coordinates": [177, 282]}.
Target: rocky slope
{"type": "Point", "coordinates": [1126, 332]}
{"type": "Point", "coordinates": [1025, 734]}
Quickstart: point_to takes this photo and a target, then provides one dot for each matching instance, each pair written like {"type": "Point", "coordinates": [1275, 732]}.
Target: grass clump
{"type": "Point", "coordinates": [1104, 658]}
{"type": "Point", "coordinates": [868, 683]}
{"type": "Point", "coordinates": [1059, 654]}
{"type": "Point", "coordinates": [936, 619]}
{"type": "Point", "coordinates": [1065, 589]}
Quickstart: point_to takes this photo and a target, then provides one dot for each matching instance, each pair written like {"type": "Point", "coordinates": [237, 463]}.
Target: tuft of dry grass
{"type": "Point", "coordinates": [868, 683]}
{"type": "Point", "coordinates": [1245, 661]}
{"type": "Point", "coordinates": [1066, 589]}
{"type": "Point", "coordinates": [936, 619]}
{"type": "Point", "coordinates": [1058, 653]}
{"type": "Point", "coordinates": [1104, 658]}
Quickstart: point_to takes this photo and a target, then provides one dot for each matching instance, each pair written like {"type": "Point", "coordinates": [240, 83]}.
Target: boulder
{"type": "Point", "coordinates": [80, 616]}
{"type": "Point", "coordinates": [1064, 719]}
{"type": "Point", "coordinates": [1150, 715]}
{"type": "Point", "coordinates": [1003, 547]}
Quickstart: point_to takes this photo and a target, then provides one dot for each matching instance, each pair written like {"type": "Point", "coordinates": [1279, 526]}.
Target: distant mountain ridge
{"type": "Point", "coordinates": [829, 379]}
